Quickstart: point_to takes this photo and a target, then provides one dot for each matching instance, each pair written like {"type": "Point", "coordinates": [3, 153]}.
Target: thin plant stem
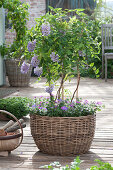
{"type": "Point", "coordinates": [49, 84]}
{"type": "Point", "coordinates": [58, 92]}
{"type": "Point", "coordinates": [78, 82]}
{"type": "Point", "coordinates": [62, 91]}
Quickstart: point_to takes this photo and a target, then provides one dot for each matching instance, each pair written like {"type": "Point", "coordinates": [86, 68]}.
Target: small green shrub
{"type": "Point", "coordinates": [76, 166]}
{"type": "Point", "coordinates": [102, 166]}
{"type": "Point", "coordinates": [56, 165]}
{"type": "Point", "coordinates": [18, 106]}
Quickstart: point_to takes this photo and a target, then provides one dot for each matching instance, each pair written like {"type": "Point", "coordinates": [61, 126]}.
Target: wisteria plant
{"type": "Point", "coordinates": [58, 46]}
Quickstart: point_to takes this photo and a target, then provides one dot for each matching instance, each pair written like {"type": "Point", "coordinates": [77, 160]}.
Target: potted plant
{"type": "Point", "coordinates": [60, 125]}
{"type": "Point", "coordinates": [17, 16]}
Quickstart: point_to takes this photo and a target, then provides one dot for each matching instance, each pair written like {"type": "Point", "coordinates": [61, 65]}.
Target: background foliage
{"type": "Point", "coordinates": [17, 16]}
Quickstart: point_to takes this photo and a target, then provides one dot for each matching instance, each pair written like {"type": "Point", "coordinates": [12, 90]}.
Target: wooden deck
{"type": "Point", "coordinates": [27, 155]}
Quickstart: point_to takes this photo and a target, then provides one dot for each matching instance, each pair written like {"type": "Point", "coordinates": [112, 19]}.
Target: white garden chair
{"type": "Point", "coordinates": [107, 44]}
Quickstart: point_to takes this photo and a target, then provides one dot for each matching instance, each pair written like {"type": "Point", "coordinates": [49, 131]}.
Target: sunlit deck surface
{"type": "Point", "coordinates": [27, 155]}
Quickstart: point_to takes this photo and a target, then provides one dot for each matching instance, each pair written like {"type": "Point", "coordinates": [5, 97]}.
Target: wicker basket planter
{"type": "Point", "coordinates": [15, 77]}
{"type": "Point", "coordinates": [63, 135]}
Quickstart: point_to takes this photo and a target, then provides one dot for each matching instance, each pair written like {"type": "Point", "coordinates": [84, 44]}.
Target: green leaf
{"type": "Point", "coordinates": [94, 68]}
{"type": "Point", "coordinates": [97, 71]}
{"type": "Point", "coordinates": [92, 64]}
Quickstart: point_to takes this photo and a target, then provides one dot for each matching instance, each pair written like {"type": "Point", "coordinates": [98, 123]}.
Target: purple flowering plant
{"type": "Point", "coordinates": [57, 44]}
{"type": "Point", "coordinates": [64, 108]}
{"type": "Point", "coordinates": [25, 67]}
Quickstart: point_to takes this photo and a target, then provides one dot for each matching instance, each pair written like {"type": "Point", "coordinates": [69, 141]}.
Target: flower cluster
{"type": "Point", "coordinates": [31, 46]}
{"type": "Point", "coordinates": [45, 29]}
{"type": "Point", "coordinates": [65, 108]}
{"type": "Point", "coordinates": [38, 71]}
{"type": "Point", "coordinates": [34, 61]}
{"type": "Point", "coordinates": [50, 89]}
{"type": "Point", "coordinates": [54, 57]}
{"type": "Point", "coordinates": [25, 67]}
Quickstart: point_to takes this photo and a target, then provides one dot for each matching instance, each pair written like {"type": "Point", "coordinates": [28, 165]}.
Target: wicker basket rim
{"type": "Point", "coordinates": [11, 136]}
{"type": "Point", "coordinates": [14, 60]}
{"type": "Point", "coordinates": [63, 117]}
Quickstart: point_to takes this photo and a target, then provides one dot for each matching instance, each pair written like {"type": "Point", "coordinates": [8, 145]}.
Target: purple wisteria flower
{"type": "Point", "coordinates": [34, 61]}
{"type": "Point", "coordinates": [45, 29]}
{"type": "Point", "coordinates": [38, 71]}
{"type": "Point", "coordinates": [64, 108]}
{"type": "Point", "coordinates": [31, 46]}
{"type": "Point", "coordinates": [50, 89]}
{"type": "Point", "coordinates": [25, 67]}
{"type": "Point", "coordinates": [54, 57]}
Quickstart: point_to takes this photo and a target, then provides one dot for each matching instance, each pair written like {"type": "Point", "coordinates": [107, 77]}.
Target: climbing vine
{"type": "Point", "coordinates": [17, 15]}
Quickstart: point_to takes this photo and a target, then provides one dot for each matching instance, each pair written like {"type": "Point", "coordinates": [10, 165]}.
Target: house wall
{"type": "Point", "coordinates": [37, 8]}
{"type": "Point", "coordinates": [2, 28]}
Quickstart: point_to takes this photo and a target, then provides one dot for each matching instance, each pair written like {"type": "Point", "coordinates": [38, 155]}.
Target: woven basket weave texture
{"type": "Point", "coordinates": [63, 135]}
{"type": "Point", "coordinates": [11, 142]}
{"type": "Point", "coordinates": [15, 77]}
{"type": "Point", "coordinates": [9, 145]}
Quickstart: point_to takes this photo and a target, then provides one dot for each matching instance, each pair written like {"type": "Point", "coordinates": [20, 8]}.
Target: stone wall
{"type": "Point", "coordinates": [37, 8]}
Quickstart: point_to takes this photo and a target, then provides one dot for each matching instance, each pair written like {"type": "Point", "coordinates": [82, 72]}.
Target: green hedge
{"type": "Point", "coordinates": [18, 106]}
